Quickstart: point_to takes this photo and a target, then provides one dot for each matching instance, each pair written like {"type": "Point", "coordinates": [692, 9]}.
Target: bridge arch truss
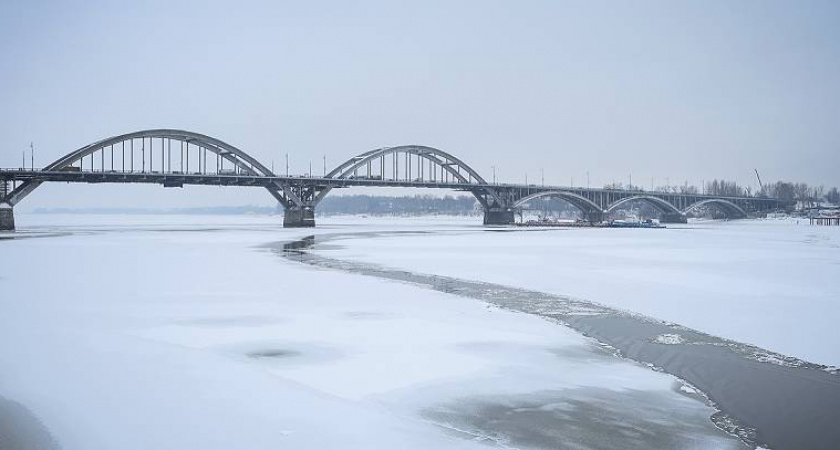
{"type": "Point", "coordinates": [584, 204]}
{"type": "Point", "coordinates": [409, 164]}
{"type": "Point", "coordinates": [662, 205]}
{"type": "Point", "coordinates": [152, 152]}
{"type": "Point", "coordinates": [729, 208]}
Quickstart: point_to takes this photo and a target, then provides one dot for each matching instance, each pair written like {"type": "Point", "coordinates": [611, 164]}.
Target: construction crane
{"type": "Point", "coordinates": [760, 186]}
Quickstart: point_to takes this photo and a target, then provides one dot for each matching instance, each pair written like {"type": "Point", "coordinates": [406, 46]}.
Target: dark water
{"type": "Point", "coordinates": [764, 398]}
{"type": "Point", "coordinates": [583, 418]}
{"type": "Point", "coordinates": [20, 430]}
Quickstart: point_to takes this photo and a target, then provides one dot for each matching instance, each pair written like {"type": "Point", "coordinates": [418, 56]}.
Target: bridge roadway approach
{"type": "Point", "coordinates": [175, 158]}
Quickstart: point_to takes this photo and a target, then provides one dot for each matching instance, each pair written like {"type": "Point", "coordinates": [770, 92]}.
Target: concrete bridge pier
{"type": "Point", "coordinates": [7, 217]}
{"type": "Point", "coordinates": [673, 218]}
{"type": "Point", "coordinates": [593, 216]}
{"type": "Point", "coordinates": [299, 217]}
{"type": "Point", "coordinates": [499, 216]}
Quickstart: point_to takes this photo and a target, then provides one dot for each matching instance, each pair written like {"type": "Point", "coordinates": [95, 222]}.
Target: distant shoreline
{"type": "Point", "coordinates": [232, 210]}
{"type": "Point", "coordinates": [236, 211]}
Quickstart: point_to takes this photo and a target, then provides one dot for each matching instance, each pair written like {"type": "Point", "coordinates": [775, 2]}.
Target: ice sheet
{"type": "Point", "coordinates": [771, 283]}
{"type": "Point", "coordinates": [165, 332]}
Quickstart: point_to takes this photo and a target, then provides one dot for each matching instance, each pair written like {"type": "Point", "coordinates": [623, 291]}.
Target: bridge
{"type": "Point", "coordinates": [176, 158]}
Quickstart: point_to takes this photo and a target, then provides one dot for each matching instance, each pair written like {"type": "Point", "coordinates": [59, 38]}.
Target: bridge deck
{"type": "Point", "coordinates": [178, 179]}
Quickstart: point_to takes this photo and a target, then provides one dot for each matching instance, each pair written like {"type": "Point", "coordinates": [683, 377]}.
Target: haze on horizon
{"type": "Point", "coordinates": [683, 91]}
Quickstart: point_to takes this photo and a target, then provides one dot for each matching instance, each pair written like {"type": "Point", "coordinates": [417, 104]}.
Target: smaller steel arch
{"type": "Point", "coordinates": [658, 203]}
{"type": "Point", "coordinates": [580, 202]}
{"type": "Point", "coordinates": [446, 161]}
{"type": "Point", "coordinates": [728, 208]}
{"type": "Point", "coordinates": [441, 158]}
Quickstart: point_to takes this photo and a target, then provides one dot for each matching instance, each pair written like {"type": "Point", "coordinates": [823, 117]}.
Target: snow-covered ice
{"type": "Point", "coordinates": [669, 339]}
{"type": "Point", "coordinates": [186, 332]}
{"type": "Point", "coordinates": [771, 283]}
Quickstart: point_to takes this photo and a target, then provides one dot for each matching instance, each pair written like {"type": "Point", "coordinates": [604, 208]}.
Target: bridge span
{"type": "Point", "coordinates": [175, 158]}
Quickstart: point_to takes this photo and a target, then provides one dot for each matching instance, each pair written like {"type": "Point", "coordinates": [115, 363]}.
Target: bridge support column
{"type": "Point", "coordinates": [499, 216]}
{"type": "Point", "coordinates": [7, 217]}
{"type": "Point", "coordinates": [299, 217]}
{"type": "Point", "coordinates": [673, 218]}
{"type": "Point", "coordinates": [593, 216]}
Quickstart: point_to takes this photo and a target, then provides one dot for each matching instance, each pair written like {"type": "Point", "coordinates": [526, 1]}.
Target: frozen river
{"type": "Point", "coordinates": [772, 283]}
{"type": "Point", "coordinates": [191, 332]}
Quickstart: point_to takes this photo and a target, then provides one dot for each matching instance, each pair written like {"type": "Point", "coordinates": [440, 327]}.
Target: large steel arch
{"type": "Point", "coordinates": [241, 160]}
{"type": "Point", "coordinates": [449, 165]}
{"type": "Point", "coordinates": [580, 202]}
{"type": "Point", "coordinates": [658, 203]}
{"type": "Point", "coordinates": [730, 209]}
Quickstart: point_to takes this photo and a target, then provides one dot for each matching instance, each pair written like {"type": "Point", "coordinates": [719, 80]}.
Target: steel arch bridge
{"type": "Point", "coordinates": [595, 204]}
{"type": "Point", "coordinates": [112, 155]}
{"type": "Point", "coordinates": [405, 165]}
{"type": "Point", "coordinates": [149, 156]}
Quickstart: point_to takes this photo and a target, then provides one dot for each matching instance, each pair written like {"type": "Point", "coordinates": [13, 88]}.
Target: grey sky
{"type": "Point", "coordinates": [683, 90]}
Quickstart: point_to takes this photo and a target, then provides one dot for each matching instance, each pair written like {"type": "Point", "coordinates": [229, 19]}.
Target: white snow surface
{"type": "Point", "coordinates": [669, 339]}
{"type": "Point", "coordinates": [772, 283]}
{"type": "Point", "coordinates": [185, 332]}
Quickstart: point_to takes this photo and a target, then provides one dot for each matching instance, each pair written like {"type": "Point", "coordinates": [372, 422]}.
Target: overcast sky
{"type": "Point", "coordinates": [676, 90]}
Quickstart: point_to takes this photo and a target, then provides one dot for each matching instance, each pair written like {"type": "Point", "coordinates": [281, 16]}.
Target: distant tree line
{"type": "Point", "coordinates": [800, 193]}
{"type": "Point", "coordinates": [417, 204]}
